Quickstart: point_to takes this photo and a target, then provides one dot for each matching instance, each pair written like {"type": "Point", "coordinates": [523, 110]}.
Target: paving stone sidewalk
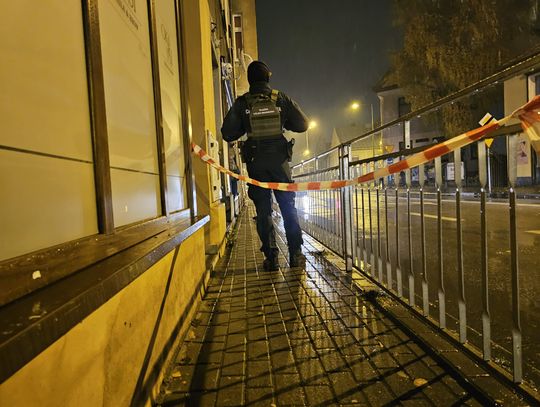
{"type": "Point", "coordinates": [298, 337]}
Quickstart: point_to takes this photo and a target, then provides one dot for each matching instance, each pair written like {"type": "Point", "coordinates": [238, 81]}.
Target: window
{"type": "Point", "coordinates": [533, 85]}
{"type": "Point", "coordinates": [403, 106]}
{"type": "Point", "coordinates": [474, 151]}
{"type": "Point", "coordinates": [238, 21]}
{"type": "Point", "coordinates": [46, 160]}
{"type": "Point", "coordinates": [169, 76]}
{"type": "Point", "coordinates": [55, 179]}
{"type": "Point", "coordinates": [129, 101]}
{"type": "Point", "coordinates": [238, 34]}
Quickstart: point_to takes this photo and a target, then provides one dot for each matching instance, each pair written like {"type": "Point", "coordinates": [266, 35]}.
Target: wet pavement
{"type": "Point", "coordinates": [299, 337]}
{"type": "Point", "coordinates": [498, 257]}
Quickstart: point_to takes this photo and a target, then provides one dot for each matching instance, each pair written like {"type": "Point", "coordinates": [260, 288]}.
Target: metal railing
{"type": "Point", "coordinates": [435, 236]}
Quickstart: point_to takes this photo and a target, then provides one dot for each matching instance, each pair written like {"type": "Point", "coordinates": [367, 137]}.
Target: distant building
{"type": "Point", "coordinates": [517, 91]}
{"type": "Point", "coordinates": [393, 105]}
{"type": "Point", "coordinates": [245, 41]}
{"type": "Point", "coordinates": [364, 148]}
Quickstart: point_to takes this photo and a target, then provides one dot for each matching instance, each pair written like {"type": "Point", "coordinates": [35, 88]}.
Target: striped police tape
{"type": "Point", "coordinates": [488, 126]}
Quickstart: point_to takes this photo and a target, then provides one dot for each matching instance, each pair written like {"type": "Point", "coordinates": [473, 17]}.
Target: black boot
{"type": "Point", "coordinates": [271, 262]}
{"type": "Point", "coordinates": [297, 258]}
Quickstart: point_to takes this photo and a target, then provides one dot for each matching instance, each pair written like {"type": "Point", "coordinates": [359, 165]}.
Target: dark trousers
{"type": "Point", "coordinates": [274, 168]}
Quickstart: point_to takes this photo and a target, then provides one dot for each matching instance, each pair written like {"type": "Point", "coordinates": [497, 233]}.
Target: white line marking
{"type": "Point", "coordinates": [435, 217]}
{"type": "Point", "coordinates": [463, 201]}
{"type": "Point", "coordinates": [534, 232]}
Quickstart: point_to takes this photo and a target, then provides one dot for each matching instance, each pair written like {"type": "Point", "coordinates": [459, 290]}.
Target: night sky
{"type": "Point", "coordinates": [325, 54]}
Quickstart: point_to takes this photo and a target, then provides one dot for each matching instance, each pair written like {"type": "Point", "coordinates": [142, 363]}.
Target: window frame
{"type": "Point", "coordinates": [236, 30]}
{"type": "Point", "coordinates": [29, 272]}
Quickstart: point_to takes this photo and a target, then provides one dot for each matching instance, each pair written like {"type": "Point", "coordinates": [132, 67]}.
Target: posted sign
{"type": "Point", "coordinates": [450, 171]}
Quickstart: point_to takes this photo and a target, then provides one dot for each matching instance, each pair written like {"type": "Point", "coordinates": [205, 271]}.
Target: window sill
{"type": "Point", "coordinates": [33, 322]}
{"type": "Point", "coordinates": [29, 272]}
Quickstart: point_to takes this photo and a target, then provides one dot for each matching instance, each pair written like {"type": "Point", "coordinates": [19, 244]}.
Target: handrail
{"type": "Point", "coordinates": [503, 131]}
{"type": "Point", "coordinates": [321, 171]}
{"type": "Point", "coordinates": [385, 228]}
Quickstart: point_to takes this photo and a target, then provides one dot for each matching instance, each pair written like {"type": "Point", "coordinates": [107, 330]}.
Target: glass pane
{"type": "Point", "coordinates": [238, 38]}
{"type": "Point", "coordinates": [129, 98]}
{"type": "Point", "coordinates": [170, 103]}
{"type": "Point", "coordinates": [44, 109]}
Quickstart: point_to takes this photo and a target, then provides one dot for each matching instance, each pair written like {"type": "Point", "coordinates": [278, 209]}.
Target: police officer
{"type": "Point", "coordinates": [263, 113]}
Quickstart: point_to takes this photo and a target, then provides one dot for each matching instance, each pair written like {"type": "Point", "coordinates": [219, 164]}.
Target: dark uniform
{"type": "Point", "coordinates": [269, 161]}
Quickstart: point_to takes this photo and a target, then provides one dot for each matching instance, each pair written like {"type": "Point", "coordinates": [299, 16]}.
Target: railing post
{"type": "Point", "coordinates": [370, 185]}
{"type": "Point", "coordinates": [378, 185]}
{"type": "Point", "coordinates": [356, 228]}
{"type": "Point", "coordinates": [408, 183]}
{"type": "Point", "coordinates": [425, 286]}
{"type": "Point", "coordinates": [440, 260]}
{"type": "Point", "coordinates": [316, 204]}
{"type": "Point", "coordinates": [399, 276]}
{"type": "Point", "coordinates": [462, 304]}
{"type": "Point", "coordinates": [514, 265]}
{"type": "Point", "coordinates": [486, 317]}
{"type": "Point", "coordinates": [363, 251]}
{"type": "Point", "coordinates": [346, 207]}
{"type": "Point", "coordinates": [389, 278]}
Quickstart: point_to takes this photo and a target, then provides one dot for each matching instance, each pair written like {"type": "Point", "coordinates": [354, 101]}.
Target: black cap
{"type": "Point", "coordinates": [258, 71]}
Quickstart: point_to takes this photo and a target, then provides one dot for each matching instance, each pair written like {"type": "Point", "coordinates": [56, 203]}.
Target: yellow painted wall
{"type": "Point", "coordinates": [249, 20]}
{"type": "Point", "coordinates": [197, 26]}
{"type": "Point", "coordinates": [217, 228]}
{"type": "Point", "coordinates": [97, 363]}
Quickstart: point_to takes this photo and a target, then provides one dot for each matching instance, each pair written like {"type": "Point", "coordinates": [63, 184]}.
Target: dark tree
{"type": "Point", "coordinates": [449, 44]}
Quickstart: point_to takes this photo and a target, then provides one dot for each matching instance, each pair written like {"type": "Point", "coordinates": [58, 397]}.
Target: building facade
{"type": "Point", "coordinates": [109, 226]}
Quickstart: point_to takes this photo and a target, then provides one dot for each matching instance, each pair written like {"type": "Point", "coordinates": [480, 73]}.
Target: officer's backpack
{"type": "Point", "coordinates": [264, 115]}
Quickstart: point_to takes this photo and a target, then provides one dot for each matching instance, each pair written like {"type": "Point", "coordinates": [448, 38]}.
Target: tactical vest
{"type": "Point", "coordinates": [264, 115]}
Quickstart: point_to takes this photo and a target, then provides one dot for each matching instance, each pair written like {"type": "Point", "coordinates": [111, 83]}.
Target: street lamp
{"type": "Point", "coordinates": [312, 124]}
{"type": "Point", "coordinates": [356, 106]}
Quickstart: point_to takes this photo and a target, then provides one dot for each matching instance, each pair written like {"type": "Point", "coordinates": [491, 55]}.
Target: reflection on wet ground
{"type": "Point", "coordinates": [298, 337]}
{"type": "Point", "coordinates": [500, 290]}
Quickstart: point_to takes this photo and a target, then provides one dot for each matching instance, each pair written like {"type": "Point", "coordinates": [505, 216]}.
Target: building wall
{"type": "Point", "coordinates": [392, 137]}
{"type": "Point", "coordinates": [197, 22]}
{"type": "Point", "coordinates": [389, 112]}
{"type": "Point", "coordinates": [246, 8]}
{"type": "Point", "coordinates": [515, 95]}
{"type": "Point", "coordinates": [46, 161]}
{"type": "Point", "coordinates": [49, 122]}
{"type": "Point", "coordinates": [98, 362]}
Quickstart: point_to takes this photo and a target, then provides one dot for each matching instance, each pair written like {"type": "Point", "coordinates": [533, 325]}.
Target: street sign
{"type": "Point", "coordinates": [488, 142]}
{"type": "Point", "coordinates": [450, 173]}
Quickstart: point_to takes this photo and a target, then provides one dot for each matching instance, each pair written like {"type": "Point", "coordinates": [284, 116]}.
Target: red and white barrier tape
{"type": "Point", "coordinates": [528, 113]}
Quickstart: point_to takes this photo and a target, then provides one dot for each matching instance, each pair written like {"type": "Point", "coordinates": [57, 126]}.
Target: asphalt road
{"type": "Point", "coordinates": [500, 289]}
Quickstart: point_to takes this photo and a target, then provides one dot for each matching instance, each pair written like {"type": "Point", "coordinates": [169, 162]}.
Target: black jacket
{"type": "Point", "coordinates": [236, 122]}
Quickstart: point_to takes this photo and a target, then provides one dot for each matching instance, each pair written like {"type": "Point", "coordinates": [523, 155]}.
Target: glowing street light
{"type": "Point", "coordinates": [355, 106]}
{"type": "Point", "coordinates": [312, 124]}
